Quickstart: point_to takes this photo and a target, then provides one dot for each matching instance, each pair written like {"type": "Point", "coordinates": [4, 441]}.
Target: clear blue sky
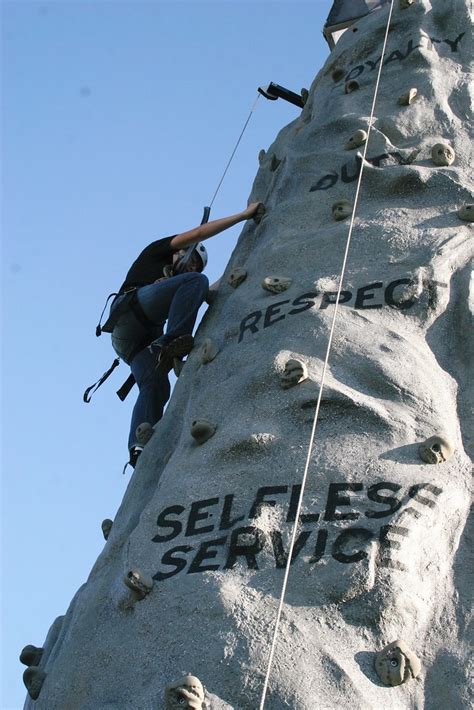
{"type": "Point", "coordinates": [117, 121]}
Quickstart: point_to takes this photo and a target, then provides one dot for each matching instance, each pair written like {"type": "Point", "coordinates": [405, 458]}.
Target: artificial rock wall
{"type": "Point", "coordinates": [381, 548]}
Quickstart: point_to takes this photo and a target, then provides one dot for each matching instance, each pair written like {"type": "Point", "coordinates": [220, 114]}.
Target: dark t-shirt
{"type": "Point", "coordinates": [148, 267]}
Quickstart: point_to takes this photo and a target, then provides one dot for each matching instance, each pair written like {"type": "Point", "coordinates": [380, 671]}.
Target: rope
{"type": "Point", "coordinates": [235, 149]}
{"type": "Point", "coordinates": [323, 375]}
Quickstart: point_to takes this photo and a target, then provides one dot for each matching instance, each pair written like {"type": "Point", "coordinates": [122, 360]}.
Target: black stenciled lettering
{"type": "Point", "coordinates": [372, 65]}
{"type": "Point", "coordinates": [320, 547]}
{"type": "Point", "coordinates": [205, 553]}
{"type": "Point", "coordinates": [272, 311]}
{"type": "Point", "coordinates": [414, 493]}
{"type": "Point", "coordinates": [293, 506]}
{"type": "Point", "coordinates": [195, 515]}
{"type": "Point", "coordinates": [387, 545]}
{"type": "Point", "coordinates": [281, 556]}
{"type": "Point", "coordinates": [249, 323]}
{"type": "Point", "coordinates": [350, 537]}
{"type": "Point", "coordinates": [395, 56]}
{"type": "Point", "coordinates": [363, 294]}
{"type": "Point", "coordinates": [335, 499]}
{"type": "Point", "coordinates": [179, 563]}
{"type": "Point", "coordinates": [389, 291]}
{"type": "Point", "coordinates": [454, 43]}
{"type": "Point", "coordinates": [260, 501]}
{"type": "Point", "coordinates": [325, 182]}
{"type": "Point", "coordinates": [248, 550]}
{"type": "Point", "coordinates": [345, 176]}
{"type": "Point", "coordinates": [163, 522]}
{"type": "Point", "coordinates": [226, 520]}
{"type": "Point", "coordinates": [305, 301]}
{"type": "Point", "coordinates": [330, 297]}
{"type": "Point", "coordinates": [356, 72]}
{"type": "Point", "coordinates": [374, 495]}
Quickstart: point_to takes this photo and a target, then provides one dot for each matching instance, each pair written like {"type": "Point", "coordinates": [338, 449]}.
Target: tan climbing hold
{"type": "Point", "coordinates": [342, 209]}
{"type": "Point", "coordinates": [143, 433]}
{"type": "Point", "coordinates": [466, 213]}
{"type": "Point", "coordinates": [31, 655]}
{"type": "Point", "coordinates": [106, 527]}
{"type": "Point", "coordinates": [295, 372]}
{"type": "Point", "coordinates": [351, 86]}
{"type": "Point", "coordinates": [274, 163]}
{"type": "Point", "coordinates": [357, 139]}
{"type": "Point", "coordinates": [208, 351]}
{"type": "Point", "coordinates": [261, 155]}
{"type": "Point", "coordinates": [435, 450]}
{"type": "Point", "coordinates": [338, 74]}
{"type": "Point", "coordinates": [405, 4]}
{"type": "Point", "coordinates": [276, 284]}
{"type": "Point", "coordinates": [202, 430]}
{"type": "Point", "coordinates": [236, 277]}
{"type": "Point", "coordinates": [188, 692]}
{"type": "Point", "coordinates": [397, 663]}
{"type": "Point", "coordinates": [140, 583]}
{"type": "Point", "coordinates": [442, 154]}
{"type": "Point", "coordinates": [33, 678]}
{"type": "Point", "coordinates": [408, 98]}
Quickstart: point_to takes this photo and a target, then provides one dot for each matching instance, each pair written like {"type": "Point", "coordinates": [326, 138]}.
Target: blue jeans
{"type": "Point", "coordinates": [176, 300]}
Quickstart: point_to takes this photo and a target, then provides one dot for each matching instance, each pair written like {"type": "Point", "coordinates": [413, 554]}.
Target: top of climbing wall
{"type": "Point", "coordinates": [344, 13]}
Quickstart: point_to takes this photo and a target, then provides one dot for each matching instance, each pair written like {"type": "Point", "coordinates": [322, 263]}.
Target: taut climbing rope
{"type": "Point", "coordinates": [323, 375]}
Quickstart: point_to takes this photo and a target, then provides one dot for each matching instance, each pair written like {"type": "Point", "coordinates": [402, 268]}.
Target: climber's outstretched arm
{"type": "Point", "coordinates": [204, 231]}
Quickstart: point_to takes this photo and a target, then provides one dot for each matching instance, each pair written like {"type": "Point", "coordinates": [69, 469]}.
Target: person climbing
{"type": "Point", "coordinates": [161, 286]}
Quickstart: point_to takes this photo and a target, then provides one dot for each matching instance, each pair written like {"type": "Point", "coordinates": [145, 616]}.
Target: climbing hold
{"type": "Point", "coordinates": [33, 678]}
{"type": "Point", "coordinates": [208, 351]}
{"type": "Point", "coordinates": [143, 433]}
{"type": "Point", "coordinates": [358, 138]}
{"type": "Point", "coordinates": [341, 210]}
{"type": "Point", "coordinates": [408, 98]}
{"type": "Point", "coordinates": [188, 693]}
{"type": "Point", "coordinates": [31, 655]}
{"type": "Point", "coordinates": [261, 156]}
{"type": "Point", "coordinates": [396, 663]}
{"type": "Point", "coordinates": [139, 583]}
{"type": "Point", "coordinates": [274, 163]}
{"type": "Point", "coordinates": [442, 154]}
{"type": "Point", "coordinates": [276, 284]}
{"type": "Point", "coordinates": [436, 449]}
{"type": "Point", "coordinates": [236, 277]}
{"type": "Point", "coordinates": [466, 213]}
{"type": "Point", "coordinates": [106, 527]}
{"type": "Point", "coordinates": [202, 430]}
{"type": "Point", "coordinates": [259, 213]}
{"type": "Point", "coordinates": [404, 4]}
{"type": "Point", "coordinates": [295, 372]}
{"type": "Point", "coordinates": [178, 364]}
{"type": "Point", "coordinates": [338, 74]}
{"type": "Point", "coordinates": [351, 86]}
{"type": "Point", "coordinates": [304, 96]}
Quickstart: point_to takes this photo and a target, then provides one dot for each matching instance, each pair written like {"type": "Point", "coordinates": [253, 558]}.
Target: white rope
{"type": "Point", "coordinates": [235, 149]}
{"type": "Point", "coordinates": [323, 375]}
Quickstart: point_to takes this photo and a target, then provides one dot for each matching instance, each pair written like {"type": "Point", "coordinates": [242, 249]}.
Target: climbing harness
{"type": "Point", "coordinates": [323, 376]}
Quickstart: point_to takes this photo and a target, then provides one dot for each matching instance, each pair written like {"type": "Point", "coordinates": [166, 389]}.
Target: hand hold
{"type": "Point", "coordinates": [358, 138]}
{"type": "Point", "coordinates": [408, 98]}
{"type": "Point", "coordinates": [405, 4]}
{"type": "Point", "coordinates": [208, 351]}
{"type": "Point", "coordinates": [260, 213]}
{"type": "Point", "coordinates": [342, 209]}
{"type": "Point", "coordinates": [31, 655]}
{"type": "Point", "coordinates": [143, 433]}
{"type": "Point", "coordinates": [442, 154]}
{"type": "Point", "coordinates": [139, 583]}
{"type": "Point", "coordinates": [202, 430]}
{"type": "Point", "coordinates": [466, 213]}
{"type": "Point", "coordinates": [33, 678]}
{"type": "Point", "coordinates": [188, 693]}
{"type": "Point", "coordinates": [106, 527]}
{"type": "Point", "coordinates": [435, 450]}
{"type": "Point", "coordinates": [351, 86]}
{"type": "Point", "coordinates": [276, 284]}
{"type": "Point", "coordinates": [295, 372]}
{"type": "Point", "coordinates": [337, 74]}
{"type": "Point", "coordinates": [397, 663]}
{"type": "Point", "coordinates": [236, 277]}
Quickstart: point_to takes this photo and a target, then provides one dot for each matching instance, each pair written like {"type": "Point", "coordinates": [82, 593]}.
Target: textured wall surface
{"type": "Point", "coordinates": [381, 552]}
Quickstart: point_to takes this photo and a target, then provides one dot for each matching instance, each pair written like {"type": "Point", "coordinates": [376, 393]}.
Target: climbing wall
{"type": "Point", "coordinates": [191, 574]}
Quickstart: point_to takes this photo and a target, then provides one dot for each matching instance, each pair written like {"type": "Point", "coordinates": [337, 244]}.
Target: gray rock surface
{"type": "Point", "coordinates": [382, 551]}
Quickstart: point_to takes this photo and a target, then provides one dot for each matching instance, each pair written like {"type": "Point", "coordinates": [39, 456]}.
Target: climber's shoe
{"type": "Point", "coordinates": [179, 347]}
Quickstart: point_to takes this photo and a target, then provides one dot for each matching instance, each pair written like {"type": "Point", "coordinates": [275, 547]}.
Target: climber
{"type": "Point", "coordinates": [160, 286]}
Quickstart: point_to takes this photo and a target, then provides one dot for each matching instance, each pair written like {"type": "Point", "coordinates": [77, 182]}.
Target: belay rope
{"type": "Point", "coordinates": [130, 381]}
{"type": "Point", "coordinates": [323, 376]}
